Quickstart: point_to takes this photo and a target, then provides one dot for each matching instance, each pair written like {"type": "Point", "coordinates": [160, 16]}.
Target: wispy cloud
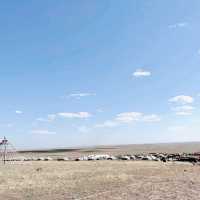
{"type": "Point", "coordinates": [79, 95]}
{"type": "Point", "coordinates": [18, 112]}
{"type": "Point", "coordinates": [182, 99]}
{"type": "Point", "coordinates": [182, 105]}
{"type": "Point", "coordinates": [43, 132]}
{"type": "Point", "coordinates": [183, 113]}
{"type": "Point", "coordinates": [183, 110]}
{"type": "Point", "coordinates": [49, 118]}
{"type": "Point", "coordinates": [178, 25]}
{"type": "Point", "coordinates": [71, 115]}
{"type": "Point", "coordinates": [81, 115]}
{"type": "Point", "coordinates": [141, 73]}
{"type": "Point", "coordinates": [151, 118]}
{"type": "Point", "coordinates": [107, 124]}
{"type": "Point", "coordinates": [127, 118]}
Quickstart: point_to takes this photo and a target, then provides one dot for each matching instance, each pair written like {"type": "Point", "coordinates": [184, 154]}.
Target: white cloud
{"type": "Point", "coordinates": [182, 99]}
{"type": "Point", "coordinates": [151, 118]}
{"type": "Point", "coordinates": [53, 117]}
{"type": "Point", "coordinates": [81, 115]}
{"type": "Point", "coordinates": [18, 112]}
{"type": "Point", "coordinates": [141, 73]}
{"type": "Point", "coordinates": [128, 117]}
{"type": "Point", "coordinates": [43, 132]}
{"type": "Point", "coordinates": [107, 124]}
{"type": "Point", "coordinates": [136, 116]}
{"type": "Point", "coordinates": [50, 118]}
{"type": "Point", "coordinates": [183, 113]}
{"type": "Point", "coordinates": [184, 108]}
{"type": "Point", "coordinates": [178, 25]}
{"type": "Point", "coordinates": [79, 95]}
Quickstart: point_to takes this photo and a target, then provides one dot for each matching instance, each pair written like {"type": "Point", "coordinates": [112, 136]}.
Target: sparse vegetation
{"type": "Point", "coordinates": [115, 179]}
{"type": "Point", "coordinates": [99, 180]}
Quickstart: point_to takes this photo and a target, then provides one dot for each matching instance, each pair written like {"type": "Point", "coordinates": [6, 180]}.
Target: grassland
{"type": "Point", "coordinates": [100, 180]}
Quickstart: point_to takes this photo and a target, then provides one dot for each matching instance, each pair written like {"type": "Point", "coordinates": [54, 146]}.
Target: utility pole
{"type": "Point", "coordinates": [6, 151]}
{"type": "Point", "coordinates": [4, 143]}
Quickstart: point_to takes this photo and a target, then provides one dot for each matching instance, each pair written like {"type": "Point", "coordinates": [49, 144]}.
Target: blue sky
{"type": "Point", "coordinates": [77, 73]}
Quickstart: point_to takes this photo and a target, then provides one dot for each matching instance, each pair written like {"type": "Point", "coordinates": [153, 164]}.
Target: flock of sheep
{"type": "Point", "coordinates": [193, 158]}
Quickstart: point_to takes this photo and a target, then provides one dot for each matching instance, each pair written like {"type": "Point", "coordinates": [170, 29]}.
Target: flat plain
{"type": "Point", "coordinates": [110, 180]}
{"type": "Point", "coordinates": [187, 147]}
{"type": "Point", "coordinates": [99, 180]}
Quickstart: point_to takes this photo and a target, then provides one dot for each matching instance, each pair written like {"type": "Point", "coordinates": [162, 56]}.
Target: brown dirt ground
{"type": "Point", "coordinates": [100, 180]}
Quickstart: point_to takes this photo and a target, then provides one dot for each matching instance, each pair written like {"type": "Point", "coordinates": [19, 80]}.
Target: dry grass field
{"type": "Point", "coordinates": [99, 180]}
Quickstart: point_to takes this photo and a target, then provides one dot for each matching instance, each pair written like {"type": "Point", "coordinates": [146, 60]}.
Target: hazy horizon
{"type": "Point", "coordinates": [102, 146]}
